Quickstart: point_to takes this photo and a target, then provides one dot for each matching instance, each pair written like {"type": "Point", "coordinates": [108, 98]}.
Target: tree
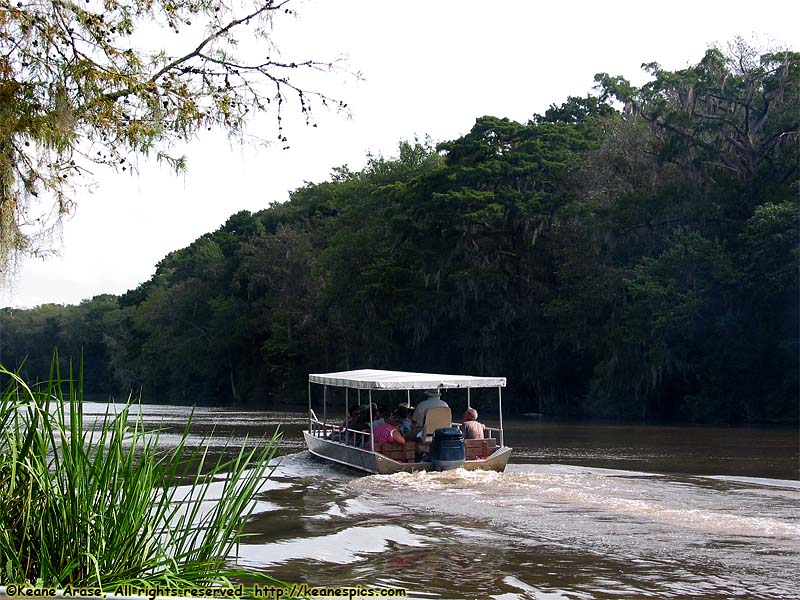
{"type": "Point", "coordinates": [373, 307]}
{"type": "Point", "coordinates": [734, 117]}
{"type": "Point", "coordinates": [81, 83]}
{"type": "Point", "coordinates": [81, 334]}
{"type": "Point", "coordinates": [603, 262]}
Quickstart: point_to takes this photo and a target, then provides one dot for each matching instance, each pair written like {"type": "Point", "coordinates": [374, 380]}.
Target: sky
{"type": "Point", "coordinates": [429, 68]}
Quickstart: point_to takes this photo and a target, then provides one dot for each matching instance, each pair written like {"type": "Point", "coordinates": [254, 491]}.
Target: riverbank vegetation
{"type": "Point", "coordinates": [628, 255]}
{"type": "Point", "coordinates": [100, 504]}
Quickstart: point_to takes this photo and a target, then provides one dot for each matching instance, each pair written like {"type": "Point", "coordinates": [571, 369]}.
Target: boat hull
{"type": "Point", "coordinates": [375, 463]}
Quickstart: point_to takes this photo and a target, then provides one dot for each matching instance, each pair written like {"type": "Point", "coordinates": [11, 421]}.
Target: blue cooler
{"type": "Point", "coordinates": [447, 449]}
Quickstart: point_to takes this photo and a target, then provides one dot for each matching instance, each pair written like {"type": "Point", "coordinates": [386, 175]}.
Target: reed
{"type": "Point", "coordinates": [106, 506]}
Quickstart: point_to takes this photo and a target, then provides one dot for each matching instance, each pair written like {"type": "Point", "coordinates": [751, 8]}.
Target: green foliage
{"type": "Point", "coordinates": [771, 250]}
{"type": "Point", "coordinates": [639, 264]}
{"type": "Point", "coordinates": [103, 504]}
{"type": "Point", "coordinates": [87, 83]}
{"type": "Point", "coordinates": [80, 331]}
{"type": "Point", "coordinates": [680, 320]}
{"type": "Point", "coordinates": [658, 254]}
{"type": "Point", "coordinates": [732, 117]}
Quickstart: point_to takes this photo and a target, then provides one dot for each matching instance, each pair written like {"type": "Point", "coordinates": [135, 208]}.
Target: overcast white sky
{"type": "Point", "coordinates": [430, 67]}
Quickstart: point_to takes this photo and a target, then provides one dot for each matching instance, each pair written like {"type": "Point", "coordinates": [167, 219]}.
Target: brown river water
{"type": "Point", "coordinates": [584, 511]}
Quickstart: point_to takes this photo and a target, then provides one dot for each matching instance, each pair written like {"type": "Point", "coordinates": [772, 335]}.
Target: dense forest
{"type": "Point", "coordinates": [629, 255]}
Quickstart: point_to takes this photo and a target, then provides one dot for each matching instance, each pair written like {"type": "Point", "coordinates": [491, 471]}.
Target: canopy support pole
{"type": "Point", "coordinates": [346, 415]}
{"type": "Point", "coordinates": [468, 404]}
{"type": "Point", "coordinates": [310, 421]}
{"type": "Point", "coordinates": [500, 406]}
{"type": "Point", "coordinates": [371, 428]}
{"type": "Point", "coordinates": [325, 405]}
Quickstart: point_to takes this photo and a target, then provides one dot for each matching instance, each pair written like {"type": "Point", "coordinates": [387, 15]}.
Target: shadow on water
{"type": "Point", "coordinates": [746, 451]}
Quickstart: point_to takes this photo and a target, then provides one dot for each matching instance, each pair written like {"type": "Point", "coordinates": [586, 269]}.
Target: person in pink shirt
{"type": "Point", "coordinates": [388, 432]}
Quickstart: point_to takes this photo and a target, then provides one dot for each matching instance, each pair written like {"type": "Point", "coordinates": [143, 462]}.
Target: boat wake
{"type": "Point", "coordinates": [626, 532]}
{"type": "Point", "coordinates": [527, 496]}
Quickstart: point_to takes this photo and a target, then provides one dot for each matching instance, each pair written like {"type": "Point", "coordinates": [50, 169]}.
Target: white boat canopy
{"type": "Point", "coordinates": [372, 379]}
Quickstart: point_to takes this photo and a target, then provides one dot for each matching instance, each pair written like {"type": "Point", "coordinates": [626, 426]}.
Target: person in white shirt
{"type": "Point", "coordinates": [432, 400]}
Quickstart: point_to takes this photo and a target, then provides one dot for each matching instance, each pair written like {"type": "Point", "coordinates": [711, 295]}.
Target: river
{"type": "Point", "coordinates": [585, 511]}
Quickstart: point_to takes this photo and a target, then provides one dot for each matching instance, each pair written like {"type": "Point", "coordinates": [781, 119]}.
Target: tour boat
{"type": "Point", "coordinates": [440, 446]}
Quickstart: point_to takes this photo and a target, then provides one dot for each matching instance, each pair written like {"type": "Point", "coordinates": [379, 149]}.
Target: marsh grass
{"type": "Point", "coordinates": [106, 506]}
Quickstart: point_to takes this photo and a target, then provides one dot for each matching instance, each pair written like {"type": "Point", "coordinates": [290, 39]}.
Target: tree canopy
{"type": "Point", "coordinates": [628, 264]}
{"type": "Point", "coordinates": [95, 82]}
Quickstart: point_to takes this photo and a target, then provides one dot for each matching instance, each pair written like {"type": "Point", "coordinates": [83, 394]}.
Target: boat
{"type": "Point", "coordinates": [334, 442]}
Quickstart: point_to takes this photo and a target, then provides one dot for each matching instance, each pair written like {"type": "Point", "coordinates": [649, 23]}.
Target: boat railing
{"type": "Point", "coordinates": [490, 431]}
{"type": "Point", "coordinates": [348, 436]}
{"type": "Point", "coordinates": [316, 427]}
{"type": "Point", "coordinates": [352, 437]}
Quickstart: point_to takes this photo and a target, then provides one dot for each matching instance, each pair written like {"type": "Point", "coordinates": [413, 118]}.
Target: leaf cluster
{"type": "Point", "coordinates": [83, 83]}
{"type": "Point", "coordinates": [103, 504]}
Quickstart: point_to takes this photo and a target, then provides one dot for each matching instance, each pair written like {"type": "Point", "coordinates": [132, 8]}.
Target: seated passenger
{"type": "Point", "coordinates": [388, 432]}
{"type": "Point", "coordinates": [401, 412]}
{"type": "Point", "coordinates": [360, 422]}
{"type": "Point", "coordinates": [432, 400]}
{"type": "Point", "coordinates": [354, 420]}
{"type": "Point", "coordinates": [472, 429]}
{"type": "Point", "coordinates": [378, 414]}
{"type": "Point", "coordinates": [360, 418]}
{"type": "Point", "coordinates": [353, 416]}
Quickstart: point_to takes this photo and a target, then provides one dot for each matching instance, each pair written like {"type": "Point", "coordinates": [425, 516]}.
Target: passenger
{"type": "Point", "coordinates": [379, 415]}
{"type": "Point", "coordinates": [354, 413]}
{"type": "Point", "coordinates": [401, 412]}
{"type": "Point", "coordinates": [472, 429]}
{"type": "Point", "coordinates": [353, 420]}
{"type": "Point", "coordinates": [360, 419]}
{"type": "Point", "coordinates": [388, 432]}
{"type": "Point", "coordinates": [432, 400]}
{"type": "Point", "coordinates": [360, 423]}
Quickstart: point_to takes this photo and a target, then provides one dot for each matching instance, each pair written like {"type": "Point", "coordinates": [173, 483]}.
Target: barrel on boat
{"type": "Point", "coordinates": [447, 449]}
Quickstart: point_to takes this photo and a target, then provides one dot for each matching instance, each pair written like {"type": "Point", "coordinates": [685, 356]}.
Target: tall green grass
{"type": "Point", "coordinates": [105, 505]}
